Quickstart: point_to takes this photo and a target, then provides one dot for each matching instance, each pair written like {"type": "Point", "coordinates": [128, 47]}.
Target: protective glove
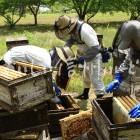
{"type": "Point", "coordinates": [105, 55]}
{"type": "Point", "coordinates": [135, 111]}
{"type": "Point", "coordinates": [114, 85]}
{"type": "Point", "coordinates": [57, 90]}
{"type": "Point", "coordinates": [80, 60]}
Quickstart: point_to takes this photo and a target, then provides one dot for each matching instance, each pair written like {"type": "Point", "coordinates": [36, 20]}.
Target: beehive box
{"type": "Point", "coordinates": [19, 91]}
{"type": "Point", "coordinates": [111, 120]}
{"type": "Point", "coordinates": [32, 120]}
{"type": "Point", "coordinates": [14, 42]}
{"type": "Point", "coordinates": [55, 113]}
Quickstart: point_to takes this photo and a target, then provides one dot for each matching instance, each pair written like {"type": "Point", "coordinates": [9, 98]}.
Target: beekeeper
{"type": "Point", "coordinates": [28, 53]}
{"type": "Point", "coordinates": [128, 72]}
{"type": "Point", "coordinates": [31, 54]}
{"type": "Point", "coordinates": [74, 31]}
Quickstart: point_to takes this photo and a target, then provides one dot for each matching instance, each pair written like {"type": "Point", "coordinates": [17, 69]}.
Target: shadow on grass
{"type": "Point", "coordinates": [113, 24]}
{"type": "Point", "coordinates": [5, 30]}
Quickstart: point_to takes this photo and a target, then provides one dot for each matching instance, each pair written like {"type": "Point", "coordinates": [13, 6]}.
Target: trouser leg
{"type": "Point", "coordinates": [86, 83]}
{"type": "Point", "coordinates": [96, 71]}
{"type": "Point", "coordinates": [86, 76]}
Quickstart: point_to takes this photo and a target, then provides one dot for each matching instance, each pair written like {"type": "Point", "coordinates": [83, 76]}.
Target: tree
{"type": "Point", "coordinates": [83, 7]}
{"type": "Point", "coordinates": [34, 5]}
{"type": "Point", "coordinates": [134, 9]}
{"type": "Point", "coordinates": [131, 7]}
{"type": "Point", "coordinates": [12, 11]}
{"type": "Point", "coordinates": [86, 7]}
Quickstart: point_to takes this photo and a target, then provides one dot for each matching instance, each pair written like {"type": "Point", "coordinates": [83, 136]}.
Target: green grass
{"type": "Point", "coordinates": [43, 36]}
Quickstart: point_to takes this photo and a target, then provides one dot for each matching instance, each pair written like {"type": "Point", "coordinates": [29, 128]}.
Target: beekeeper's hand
{"type": "Point", "coordinates": [114, 85]}
{"type": "Point", "coordinates": [56, 89]}
{"type": "Point", "coordinates": [105, 55]}
{"type": "Point", "coordinates": [135, 111]}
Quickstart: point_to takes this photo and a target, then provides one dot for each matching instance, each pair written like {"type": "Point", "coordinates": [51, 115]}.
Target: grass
{"type": "Point", "coordinates": [43, 36]}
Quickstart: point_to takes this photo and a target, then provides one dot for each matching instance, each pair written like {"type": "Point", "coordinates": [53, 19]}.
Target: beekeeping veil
{"type": "Point", "coordinates": [63, 26]}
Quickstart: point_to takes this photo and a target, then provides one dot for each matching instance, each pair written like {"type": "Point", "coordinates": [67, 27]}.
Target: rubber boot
{"type": "Point", "coordinates": [84, 95]}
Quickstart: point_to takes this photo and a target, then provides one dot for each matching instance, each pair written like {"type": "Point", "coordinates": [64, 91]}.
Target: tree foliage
{"type": "Point", "coordinates": [12, 11]}
{"type": "Point", "coordinates": [131, 7]}
{"type": "Point", "coordinates": [83, 8]}
{"type": "Point", "coordinates": [86, 7]}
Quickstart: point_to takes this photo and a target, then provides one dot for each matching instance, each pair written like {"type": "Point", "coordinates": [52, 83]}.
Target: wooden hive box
{"type": "Point", "coordinates": [55, 113]}
{"type": "Point", "coordinates": [14, 42]}
{"type": "Point", "coordinates": [111, 120]}
{"type": "Point", "coordinates": [20, 91]}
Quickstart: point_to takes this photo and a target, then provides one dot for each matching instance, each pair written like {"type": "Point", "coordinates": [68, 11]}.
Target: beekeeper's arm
{"type": "Point", "coordinates": [126, 66]}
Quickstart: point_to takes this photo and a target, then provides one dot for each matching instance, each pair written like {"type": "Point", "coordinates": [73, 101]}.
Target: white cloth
{"type": "Point", "coordinates": [92, 74]}
{"type": "Point", "coordinates": [89, 36]}
{"type": "Point", "coordinates": [90, 47]}
{"type": "Point", "coordinates": [28, 53]}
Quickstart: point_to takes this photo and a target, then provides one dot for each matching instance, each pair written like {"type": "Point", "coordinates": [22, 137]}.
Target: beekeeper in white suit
{"type": "Point", "coordinates": [77, 32]}
{"type": "Point", "coordinates": [31, 54]}
{"type": "Point", "coordinates": [28, 53]}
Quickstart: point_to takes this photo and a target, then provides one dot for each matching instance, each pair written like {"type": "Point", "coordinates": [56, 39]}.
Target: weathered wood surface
{"type": "Point", "coordinates": [9, 74]}
{"type": "Point", "coordinates": [70, 107]}
{"type": "Point", "coordinates": [19, 91]}
{"type": "Point", "coordinates": [29, 65]}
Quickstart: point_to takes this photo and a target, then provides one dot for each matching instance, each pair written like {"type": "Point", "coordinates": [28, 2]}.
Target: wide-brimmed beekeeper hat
{"type": "Point", "coordinates": [64, 53]}
{"type": "Point", "coordinates": [64, 25]}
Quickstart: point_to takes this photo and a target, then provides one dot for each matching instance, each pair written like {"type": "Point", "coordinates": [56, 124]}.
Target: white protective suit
{"type": "Point", "coordinates": [86, 39]}
{"type": "Point", "coordinates": [28, 53]}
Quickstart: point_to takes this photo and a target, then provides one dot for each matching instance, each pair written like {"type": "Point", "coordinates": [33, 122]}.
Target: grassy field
{"type": "Point", "coordinates": [43, 35]}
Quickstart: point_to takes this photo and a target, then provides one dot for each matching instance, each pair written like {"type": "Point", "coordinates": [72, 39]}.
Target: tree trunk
{"type": "Point", "coordinates": [82, 17]}
{"type": "Point", "coordinates": [35, 19]}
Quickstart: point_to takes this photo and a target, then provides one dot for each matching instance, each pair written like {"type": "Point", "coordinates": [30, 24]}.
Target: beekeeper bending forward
{"type": "Point", "coordinates": [129, 70]}
{"type": "Point", "coordinates": [74, 31]}
{"type": "Point", "coordinates": [28, 53]}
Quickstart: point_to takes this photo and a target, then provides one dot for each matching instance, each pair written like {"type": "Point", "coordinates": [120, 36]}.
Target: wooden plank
{"type": "Point", "coordinates": [29, 65]}
{"type": "Point", "coordinates": [9, 74]}
{"type": "Point", "coordinates": [123, 103]}
{"type": "Point", "coordinates": [130, 100]}
{"type": "Point", "coordinates": [120, 112]}
{"type": "Point", "coordinates": [126, 102]}
{"type": "Point", "coordinates": [12, 71]}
